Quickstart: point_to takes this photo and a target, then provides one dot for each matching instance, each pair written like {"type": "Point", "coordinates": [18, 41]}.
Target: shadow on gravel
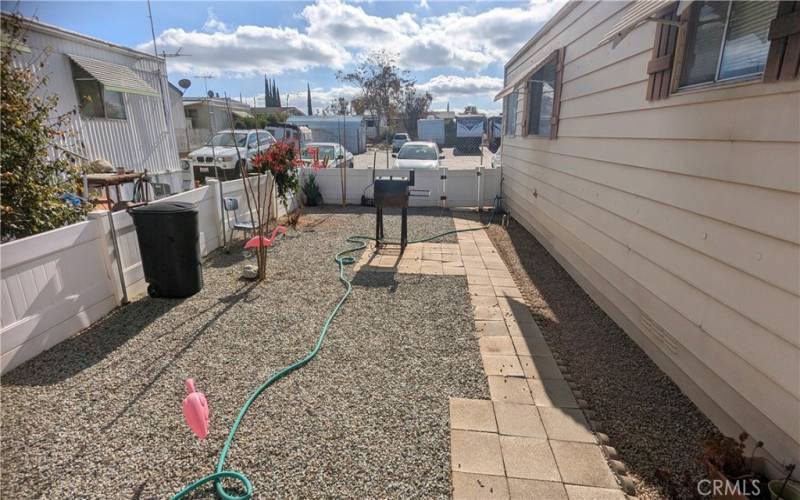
{"type": "Point", "coordinates": [85, 349]}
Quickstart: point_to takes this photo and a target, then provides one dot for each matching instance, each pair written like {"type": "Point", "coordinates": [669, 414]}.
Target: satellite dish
{"type": "Point", "coordinates": [184, 83]}
{"type": "Point", "coordinates": [210, 94]}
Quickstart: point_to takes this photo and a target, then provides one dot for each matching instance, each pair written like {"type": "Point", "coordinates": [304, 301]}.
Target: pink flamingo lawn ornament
{"type": "Point", "coordinates": [265, 242]}
{"type": "Point", "coordinates": [195, 410]}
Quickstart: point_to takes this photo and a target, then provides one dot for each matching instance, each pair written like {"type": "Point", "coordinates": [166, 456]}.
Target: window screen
{"type": "Point", "coordinates": [540, 103]}
{"type": "Point", "coordinates": [94, 101]}
{"type": "Point", "coordinates": [726, 40]}
{"type": "Point", "coordinates": [511, 112]}
{"type": "Point", "coordinates": [746, 43]}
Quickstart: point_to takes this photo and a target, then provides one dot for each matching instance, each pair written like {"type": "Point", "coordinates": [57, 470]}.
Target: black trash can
{"type": "Point", "coordinates": [169, 243]}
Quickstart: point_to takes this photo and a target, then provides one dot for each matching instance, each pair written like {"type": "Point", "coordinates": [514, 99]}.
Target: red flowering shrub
{"type": "Point", "coordinates": [282, 162]}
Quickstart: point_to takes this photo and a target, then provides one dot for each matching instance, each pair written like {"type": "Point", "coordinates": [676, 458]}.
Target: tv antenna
{"type": "Point", "coordinates": [205, 78]}
{"type": "Point", "coordinates": [177, 53]}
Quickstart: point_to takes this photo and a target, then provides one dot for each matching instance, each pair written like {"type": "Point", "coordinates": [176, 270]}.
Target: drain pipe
{"type": "Point", "coordinates": [118, 257]}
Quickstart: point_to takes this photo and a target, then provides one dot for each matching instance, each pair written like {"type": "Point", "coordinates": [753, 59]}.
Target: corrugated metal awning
{"type": "Point", "coordinates": [639, 12]}
{"type": "Point", "coordinates": [114, 77]}
{"type": "Point", "coordinates": [511, 86]}
{"type": "Point", "coordinates": [506, 90]}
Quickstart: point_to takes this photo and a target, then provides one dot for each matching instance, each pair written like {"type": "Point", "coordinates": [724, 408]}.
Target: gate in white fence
{"type": "Point", "coordinates": [446, 188]}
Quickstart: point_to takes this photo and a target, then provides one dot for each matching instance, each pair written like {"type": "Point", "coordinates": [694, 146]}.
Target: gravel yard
{"type": "Point", "coordinates": [98, 416]}
{"type": "Point", "coordinates": [652, 424]}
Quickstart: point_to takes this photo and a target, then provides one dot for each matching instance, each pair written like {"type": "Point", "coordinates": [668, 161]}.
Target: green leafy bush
{"type": "Point", "coordinates": [311, 192]}
{"type": "Point", "coordinates": [31, 182]}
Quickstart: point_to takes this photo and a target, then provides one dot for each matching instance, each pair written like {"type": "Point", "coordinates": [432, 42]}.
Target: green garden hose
{"type": "Point", "coordinates": [342, 259]}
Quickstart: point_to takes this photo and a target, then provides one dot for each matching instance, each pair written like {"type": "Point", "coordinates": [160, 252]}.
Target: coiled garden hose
{"type": "Point", "coordinates": [342, 259]}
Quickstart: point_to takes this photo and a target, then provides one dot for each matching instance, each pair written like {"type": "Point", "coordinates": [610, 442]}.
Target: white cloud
{"type": "Point", "coordinates": [246, 51]}
{"type": "Point", "coordinates": [213, 23]}
{"type": "Point", "coordinates": [335, 31]}
{"type": "Point", "coordinates": [448, 86]}
{"type": "Point", "coordinates": [458, 39]}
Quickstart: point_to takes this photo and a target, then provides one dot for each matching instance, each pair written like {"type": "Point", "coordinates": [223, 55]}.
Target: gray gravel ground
{"type": "Point", "coordinates": [655, 428]}
{"type": "Point", "coordinates": [98, 416]}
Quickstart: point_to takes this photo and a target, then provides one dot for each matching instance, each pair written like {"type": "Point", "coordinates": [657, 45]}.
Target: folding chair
{"type": "Point", "coordinates": [246, 226]}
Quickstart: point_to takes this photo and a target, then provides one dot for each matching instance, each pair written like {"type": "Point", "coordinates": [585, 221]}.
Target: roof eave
{"type": "Point", "coordinates": [58, 31]}
{"type": "Point", "coordinates": [561, 14]}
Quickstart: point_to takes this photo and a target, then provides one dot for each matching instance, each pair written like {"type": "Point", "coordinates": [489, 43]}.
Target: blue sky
{"type": "Point", "coordinates": [455, 50]}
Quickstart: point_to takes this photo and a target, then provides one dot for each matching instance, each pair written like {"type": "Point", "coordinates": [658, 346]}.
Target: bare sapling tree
{"type": "Point", "coordinates": [258, 199]}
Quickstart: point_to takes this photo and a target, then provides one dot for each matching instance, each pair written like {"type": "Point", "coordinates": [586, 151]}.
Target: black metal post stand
{"type": "Point", "coordinates": [403, 228]}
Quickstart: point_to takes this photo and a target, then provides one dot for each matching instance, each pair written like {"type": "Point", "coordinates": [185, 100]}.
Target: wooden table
{"type": "Point", "coordinates": [105, 181]}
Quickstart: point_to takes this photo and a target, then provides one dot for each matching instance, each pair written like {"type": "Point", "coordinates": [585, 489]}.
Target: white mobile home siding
{"type": "Point", "coordinates": [680, 217]}
{"type": "Point", "coordinates": [146, 139]}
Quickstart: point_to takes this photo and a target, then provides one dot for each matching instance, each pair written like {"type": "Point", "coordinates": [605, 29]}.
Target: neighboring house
{"type": "Point", "coordinates": [119, 95]}
{"type": "Point", "coordinates": [349, 131]}
{"type": "Point", "coordinates": [659, 165]}
{"type": "Point", "coordinates": [373, 127]}
{"type": "Point", "coordinates": [274, 110]}
{"type": "Point", "coordinates": [214, 113]}
{"type": "Point", "coordinates": [207, 115]}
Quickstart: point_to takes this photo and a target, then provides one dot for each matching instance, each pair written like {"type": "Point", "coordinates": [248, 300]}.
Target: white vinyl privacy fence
{"type": "Point", "coordinates": [447, 188]}
{"type": "Point", "coordinates": [57, 283]}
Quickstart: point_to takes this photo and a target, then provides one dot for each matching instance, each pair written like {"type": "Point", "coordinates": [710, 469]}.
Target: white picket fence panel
{"type": "Point", "coordinates": [459, 188]}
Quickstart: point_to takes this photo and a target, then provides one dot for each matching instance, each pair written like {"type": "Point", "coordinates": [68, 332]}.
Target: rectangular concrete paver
{"type": "Point", "coordinates": [508, 366]}
{"type": "Point", "coordinates": [476, 452]}
{"type": "Point", "coordinates": [540, 367]}
{"type": "Point", "coordinates": [518, 420]}
{"type": "Point", "coordinates": [566, 424]}
{"type": "Point", "coordinates": [479, 486]}
{"type": "Point", "coordinates": [531, 489]}
{"type": "Point", "coordinates": [472, 415]}
{"type": "Point", "coordinates": [510, 390]}
{"type": "Point", "coordinates": [531, 346]}
{"type": "Point", "coordinates": [501, 345]}
{"type": "Point", "coordinates": [551, 392]}
{"type": "Point", "coordinates": [491, 329]}
{"type": "Point", "coordinates": [528, 458]}
{"type": "Point", "coordinates": [582, 464]}
{"type": "Point", "coordinates": [531, 440]}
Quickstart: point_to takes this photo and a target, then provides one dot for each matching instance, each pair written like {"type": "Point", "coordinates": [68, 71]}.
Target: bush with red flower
{"type": "Point", "coordinates": [282, 162]}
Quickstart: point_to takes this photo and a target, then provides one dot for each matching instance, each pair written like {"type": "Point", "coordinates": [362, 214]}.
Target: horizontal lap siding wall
{"type": "Point", "coordinates": [679, 216]}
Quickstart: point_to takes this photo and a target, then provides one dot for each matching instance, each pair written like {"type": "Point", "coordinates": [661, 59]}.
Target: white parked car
{"type": "Point", "coordinates": [223, 154]}
{"type": "Point", "coordinates": [418, 155]}
{"type": "Point", "coordinates": [336, 155]}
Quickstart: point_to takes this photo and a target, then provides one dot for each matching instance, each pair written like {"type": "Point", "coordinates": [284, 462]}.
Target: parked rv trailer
{"type": "Point", "coordinates": [431, 130]}
{"type": "Point", "coordinates": [494, 131]}
{"type": "Point", "coordinates": [469, 133]}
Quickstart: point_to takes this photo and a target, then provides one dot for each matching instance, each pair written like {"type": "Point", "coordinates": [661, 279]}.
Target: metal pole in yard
{"type": "Point", "coordinates": [118, 257]}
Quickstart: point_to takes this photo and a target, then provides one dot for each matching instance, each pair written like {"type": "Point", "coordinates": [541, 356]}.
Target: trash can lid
{"type": "Point", "coordinates": [165, 207]}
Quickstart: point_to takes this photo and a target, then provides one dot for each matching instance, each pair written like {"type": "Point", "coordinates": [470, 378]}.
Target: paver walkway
{"type": "Point", "coordinates": [532, 439]}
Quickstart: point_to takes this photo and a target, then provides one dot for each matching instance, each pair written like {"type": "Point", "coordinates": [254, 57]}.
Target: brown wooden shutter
{"type": "Point", "coordinates": [660, 66]}
{"type": "Point", "coordinates": [557, 92]}
{"type": "Point", "coordinates": [526, 99]}
{"type": "Point", "coordinates": [783, 58]}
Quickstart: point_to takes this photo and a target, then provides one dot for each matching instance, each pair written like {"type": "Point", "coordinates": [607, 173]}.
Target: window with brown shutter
{"type": "Point", "coordinates": [783, 59]}
{"type": "Point", "coordinates": [560, 53]}
{"type": "Point", "coordinates": [659, 68]}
